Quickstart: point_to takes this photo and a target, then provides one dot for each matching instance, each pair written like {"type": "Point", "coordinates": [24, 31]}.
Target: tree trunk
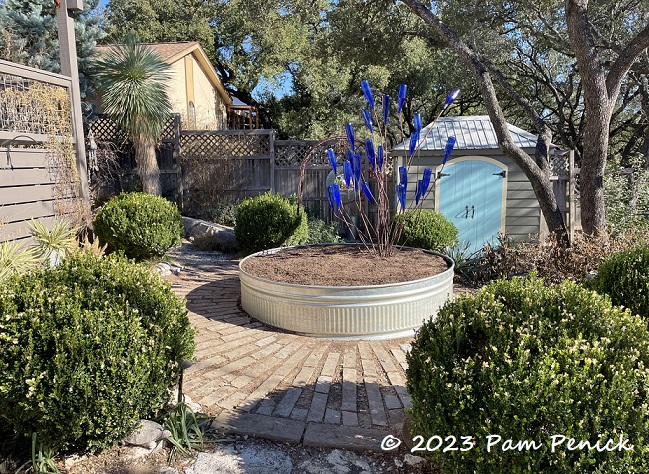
{"type": "Point", "coordinates": [593, 163]}
{"type": "Point", "coordinates": [601, 91]}
{"type": "Point", "coordinates": [537, 170]}
{"type": "Point", "coordinates": [147, 164]}
{"type": "Point", "coordinates": [597, 117]}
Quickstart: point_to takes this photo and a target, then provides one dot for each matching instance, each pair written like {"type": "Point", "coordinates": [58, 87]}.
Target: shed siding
{"type": "Point", "coordinates": [522, 212]}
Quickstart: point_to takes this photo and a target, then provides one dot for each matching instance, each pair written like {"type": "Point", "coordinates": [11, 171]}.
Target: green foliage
{"type": "Point", "coordinates": [133, 78]}
{"type": "Point", "coordinates": [466, 262]}
{"type": "Point", "coordinates": [525, 361]}
{"type": "Point", "coordinates": [16, 258]}
{"type": "Point", "coordinates": [53, 243]}
{"type": "Point", "coordinates": [161, 20]}
{"type": "Point", "coordinates": [87, 348]}
{"type": "Point", "coordinates": [269, 221]}
{"type": "Point", "coordinates": [140, 224]}
{"type": "Point", "coordinates": [186, 429]}
{"type": "Point", "coordinates": [31, 36]}
{"type": "Point", "coordinates": [42, 458]}
{"type": "Point", "coordinates": [627, 196]}
{"type": "Point", "coordinates": [624, 276]}
{"type": "Point", "coordinates": [222, 212]}
{"type": "Point", "coordinates": [426, 229]}
{"type": "Point", "coordinates": [322, 233]}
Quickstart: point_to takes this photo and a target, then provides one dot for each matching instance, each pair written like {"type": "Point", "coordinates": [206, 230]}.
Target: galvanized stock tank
{"type": "Point", "coordinates": [345, 312]}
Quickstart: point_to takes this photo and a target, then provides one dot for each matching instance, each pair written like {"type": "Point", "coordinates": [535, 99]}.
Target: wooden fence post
{"type": "Point", "coordinates": [271, 138]}
{"type": "Point", "coordinates": [69, 68]}
{"type": "Point", "coordinates": [572, 205]}
{"type": "Point", "coordinates": [177, 161]}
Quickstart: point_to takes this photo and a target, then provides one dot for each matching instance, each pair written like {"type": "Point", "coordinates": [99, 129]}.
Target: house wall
{"type": "Point", "coordinates": [522, 211]}
{"type": "Point", "coordinates": [176, 89]}
{"type": "Point", "coordinates": [206, 98]}
{"type": "Point", "coordinates": [189, 83]}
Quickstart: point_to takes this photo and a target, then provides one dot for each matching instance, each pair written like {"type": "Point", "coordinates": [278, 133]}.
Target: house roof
{"type": "Point", "coordinates": [172, 52]}
{"type": "Point", "coordinates": [471, 133]}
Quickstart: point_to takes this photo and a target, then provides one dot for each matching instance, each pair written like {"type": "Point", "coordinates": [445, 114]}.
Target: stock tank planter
{"type": "Point", "coordinates": [291, 288]}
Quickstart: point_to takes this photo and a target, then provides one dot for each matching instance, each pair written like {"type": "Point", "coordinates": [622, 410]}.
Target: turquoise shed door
{"type": "Point", "coordinates": [471, 197]}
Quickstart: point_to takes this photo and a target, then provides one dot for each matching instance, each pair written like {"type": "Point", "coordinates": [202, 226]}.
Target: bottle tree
{"type": "Point", "coordinates": [381, 237]}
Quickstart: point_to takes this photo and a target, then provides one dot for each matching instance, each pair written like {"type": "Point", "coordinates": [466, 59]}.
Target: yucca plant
{"type": "Point", "coordinates": [15, 258]}
{"type": "Point", "coordinates": [132, 77]}
{"type": "Point", "coordinates": [53, 244]}
{"type": "Point", "coordinates": [186, 429]}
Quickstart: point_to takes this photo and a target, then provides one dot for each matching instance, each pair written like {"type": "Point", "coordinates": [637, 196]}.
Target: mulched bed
{"type": "Point", "coordinates": [344, 265]}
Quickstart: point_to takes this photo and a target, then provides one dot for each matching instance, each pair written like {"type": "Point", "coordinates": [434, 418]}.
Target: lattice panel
{"type": "Point", "coordinates": [223, 145]}
{"type": "Point", "coordinates": [560, 164]}
{"type": "Point", "coordinates": [292, 153]}
{"type": "Point", "coordinates": [169, 129]}
{"type": "Point", "coordinates": [105, 130]}
{"type": "Point", "coordinates": [28, 106]}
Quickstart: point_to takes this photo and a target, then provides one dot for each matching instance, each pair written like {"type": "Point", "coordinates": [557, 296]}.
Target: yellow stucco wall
{"type": "Point", "coordinates": [210, 111]}
{"type": "Point", "coordinates": [205, 99]}
{"type": "Point", "coordinates": [176, 88]}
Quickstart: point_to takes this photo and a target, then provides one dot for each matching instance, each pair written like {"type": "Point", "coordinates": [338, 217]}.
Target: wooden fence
{"type": "Point", "coordinates": [33, 184]}
{"type": "Point", "coordinates": [200, 168]}
{"type": "Point", "coordinates": [565, 184]}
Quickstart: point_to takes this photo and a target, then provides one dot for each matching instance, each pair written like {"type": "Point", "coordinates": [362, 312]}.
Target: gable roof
{"type": "Point", "coordinates": [471, 133]}
{"type": "Point", "coordinates": [172, 52]}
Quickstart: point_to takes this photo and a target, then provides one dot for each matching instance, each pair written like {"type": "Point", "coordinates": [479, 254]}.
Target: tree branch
{"type": "Point", "coordinates": [625, 60]}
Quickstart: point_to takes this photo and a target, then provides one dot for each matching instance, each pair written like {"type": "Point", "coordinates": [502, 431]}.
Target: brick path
{"type": "Point", "coordinates": [271, 384]}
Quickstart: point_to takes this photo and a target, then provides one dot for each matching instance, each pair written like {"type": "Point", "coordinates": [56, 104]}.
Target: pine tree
{"type": "Point", "coordinates": [30, 36]}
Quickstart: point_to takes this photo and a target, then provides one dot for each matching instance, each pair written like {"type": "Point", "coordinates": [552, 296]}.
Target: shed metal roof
{"type": "Point", "coordinates": [471, 133]}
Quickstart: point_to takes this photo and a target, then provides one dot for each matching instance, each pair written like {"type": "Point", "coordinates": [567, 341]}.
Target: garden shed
{"type": "Point", "coordinates": [480, 190]}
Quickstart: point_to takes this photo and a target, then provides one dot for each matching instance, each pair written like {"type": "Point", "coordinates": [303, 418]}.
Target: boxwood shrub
{"type": "Point", "coordinates": [624, 276]}
{"type": "Point", "coordinates": [426, 229]}
{"type": "Point", "coordinates": [86, 349]}
{"type": "Point", "coordinates": [142, 225]}
{"type": "Point", "coordinates": [526, 362]}
{"type": "Point", "coordinates": [269, 221]}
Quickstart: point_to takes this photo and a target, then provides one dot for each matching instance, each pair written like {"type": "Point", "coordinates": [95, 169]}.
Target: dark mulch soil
{"type": "Point", "coordinates": [344, 265]}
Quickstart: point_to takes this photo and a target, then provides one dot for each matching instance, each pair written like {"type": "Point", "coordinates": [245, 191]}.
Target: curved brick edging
{"type": "Point", "coordinates": [258, 381]}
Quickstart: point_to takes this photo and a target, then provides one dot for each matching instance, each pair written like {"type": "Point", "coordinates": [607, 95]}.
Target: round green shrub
{"type": "Point", "coordinates": [269, 221]}
{"type": "Point", "coordinates": [526, 362]}
{"type": "Point", "coordinates": [426, 229]}
{"type": "Point", "coordinates": [322, 233]}
{"type": "Point", "coordinates": [88, 348]}
{"type": "Point", "coordinates": [140, 224]}
{"type": "Point", "coordinates": [624, 276]}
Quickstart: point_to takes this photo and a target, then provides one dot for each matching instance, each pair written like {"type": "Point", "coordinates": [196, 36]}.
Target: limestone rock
{"type": "Point", "coordinates": [147, 435]}
{"type": "Point", "coordinates": [413, 460]}
{"type": "Point", "coordinates": [196, 228]}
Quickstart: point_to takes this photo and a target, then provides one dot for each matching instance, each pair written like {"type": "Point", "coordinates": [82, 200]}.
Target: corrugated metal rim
{"type": "Point", "coordinates": [346, 312]}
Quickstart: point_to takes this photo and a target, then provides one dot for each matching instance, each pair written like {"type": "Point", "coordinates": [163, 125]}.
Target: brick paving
{"type": "Point", "coordinates": [264, 382]}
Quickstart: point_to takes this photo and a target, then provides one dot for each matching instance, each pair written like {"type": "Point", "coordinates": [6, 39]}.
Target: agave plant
{"type": "Point", "coordinates": [132, 77]}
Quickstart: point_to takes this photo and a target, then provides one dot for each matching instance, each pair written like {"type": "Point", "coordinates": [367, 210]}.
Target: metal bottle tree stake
{"type": "Point", "coordinates": [381, 239]}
